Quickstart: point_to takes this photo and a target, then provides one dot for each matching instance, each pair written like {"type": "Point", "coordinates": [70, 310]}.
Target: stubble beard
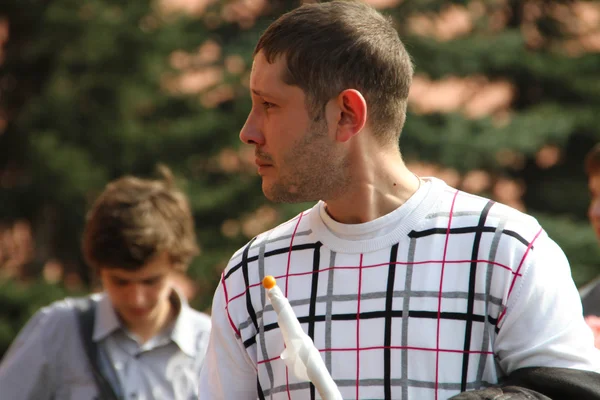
{"type": "Point", "coordinates": [314, 171]}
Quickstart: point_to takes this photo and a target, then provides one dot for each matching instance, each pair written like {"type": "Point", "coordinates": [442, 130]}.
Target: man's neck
{"type": "Point", "coordinates": [380, 184]}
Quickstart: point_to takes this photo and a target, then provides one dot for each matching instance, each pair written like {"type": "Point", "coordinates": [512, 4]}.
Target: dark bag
{"type": "Point", "coordinates": [542, 383]}
{"type": "Point", "coordinates": [85, 309]}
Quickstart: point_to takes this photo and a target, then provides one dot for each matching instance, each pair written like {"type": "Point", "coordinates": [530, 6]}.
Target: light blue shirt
{"type": "Point", "coordinates": [47, 359]}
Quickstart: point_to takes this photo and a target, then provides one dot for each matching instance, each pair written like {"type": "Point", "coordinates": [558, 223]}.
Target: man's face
{"type": "Point", "coordinates": [296, 153]}
{"type": "Point", "coordinates": [140, 298]}
{"type": "Point", "coordinates": [594, 210]}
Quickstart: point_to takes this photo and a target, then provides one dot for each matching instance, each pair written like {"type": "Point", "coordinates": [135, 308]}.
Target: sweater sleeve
{"type": "Point", "coordinates": [228, 371]}
{"type": "Point", "coordinates": [543, 325]}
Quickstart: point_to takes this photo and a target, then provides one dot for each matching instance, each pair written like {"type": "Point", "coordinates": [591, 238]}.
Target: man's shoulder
{"type": "Point", "coordinates": [472, 208]}
{"type": "Point", "coordinates": [63, 310]}
{"type": "Point", "coordinates": [54, 323]}
{"type": "Point", "coordinates": [61, 315]}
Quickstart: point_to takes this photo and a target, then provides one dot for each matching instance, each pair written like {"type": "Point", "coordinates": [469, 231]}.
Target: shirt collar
{"type": "Point", "coordinates": [182, 332]}
{"type": "Point", "coordinates": [105, 320]}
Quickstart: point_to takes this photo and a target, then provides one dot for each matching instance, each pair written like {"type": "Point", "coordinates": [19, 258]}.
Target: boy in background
{"type": "Point", "coordinates": [138, 338]}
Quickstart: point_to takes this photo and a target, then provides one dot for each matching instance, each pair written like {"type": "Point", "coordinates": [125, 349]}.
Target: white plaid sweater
{"type": "Point", "coordinates": [458, 293]}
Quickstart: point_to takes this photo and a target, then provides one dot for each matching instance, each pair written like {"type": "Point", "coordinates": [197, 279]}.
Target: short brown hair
{"type": "Point", "coordinates": [592, 161]}
{"type": "Point", "coordinates": [134, 220]}
{"type": "Point", "coordinates": [330, 47]}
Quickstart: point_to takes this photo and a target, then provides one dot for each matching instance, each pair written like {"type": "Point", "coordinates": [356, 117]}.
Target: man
{"type": "Point", "coordinates": [141, 339]}
{"type": "Point", "coordinates": [409, 288]}
{"type": "Point", "coordinates": [590, 294]}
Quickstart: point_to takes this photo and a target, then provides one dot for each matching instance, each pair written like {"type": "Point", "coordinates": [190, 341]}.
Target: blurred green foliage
{"type": "Point", "coordinates": [84, 91]}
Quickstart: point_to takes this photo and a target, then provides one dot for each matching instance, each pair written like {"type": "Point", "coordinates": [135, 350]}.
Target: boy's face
{"type": "Point", "coordinates": [594, 210]}
{"type": "Point", "coordinates": [140, 298]}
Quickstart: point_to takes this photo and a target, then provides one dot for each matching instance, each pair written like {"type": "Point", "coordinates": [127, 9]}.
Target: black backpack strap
{"type": "Point", "coordinates": [85, 309]}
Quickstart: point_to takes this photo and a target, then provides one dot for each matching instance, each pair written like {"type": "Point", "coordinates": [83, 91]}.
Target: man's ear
{"type": "Point", "coordinates": [352, 107]}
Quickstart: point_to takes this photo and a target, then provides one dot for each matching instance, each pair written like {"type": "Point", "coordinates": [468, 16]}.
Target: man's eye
{"type": "Point", "coordinates": [150, 282]}
{"type": "Point", "coordinates": [267, 105]}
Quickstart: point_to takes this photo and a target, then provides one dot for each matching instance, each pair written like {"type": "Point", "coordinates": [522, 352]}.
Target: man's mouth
{"type": "Point", "coordinates": [139, 312]}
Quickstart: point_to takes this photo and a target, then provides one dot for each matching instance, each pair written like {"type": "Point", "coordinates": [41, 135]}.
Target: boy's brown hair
{"type": "Point", "coordinates": [592, 161]}
{"type": "Point", "coordinates": [338, 45]}
{"type": "Point", "coordinates": [134, 220]}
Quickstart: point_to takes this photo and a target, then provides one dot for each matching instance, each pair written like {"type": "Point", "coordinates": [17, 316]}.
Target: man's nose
{"type": "Point", "coordinates": [251, 132]}
{"type": "Point", "coordinates": [138, 295]}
